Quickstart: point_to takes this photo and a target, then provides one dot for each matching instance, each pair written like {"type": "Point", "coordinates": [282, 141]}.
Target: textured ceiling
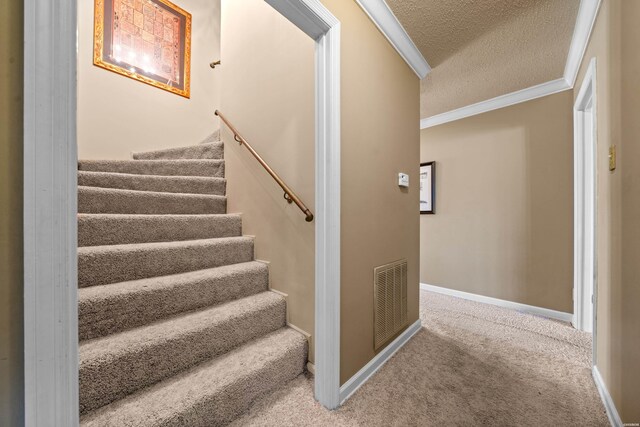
{"type": "Point", "coordinates": [480, 49]}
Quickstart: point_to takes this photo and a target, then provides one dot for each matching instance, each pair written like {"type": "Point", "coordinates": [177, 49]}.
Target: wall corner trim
{"type": "Point", "coordinates": [610, 407]}
{"type": "Point", "coordinates": [367, 371]}
{"type": "Point", "coordinates": [381, 15]}
{"type": "Point", "coordinates": [524, 308]}
{"type": "Point", "coordinates": [513, 98]}
{"type": "Point", "coordinates": [587, 13]}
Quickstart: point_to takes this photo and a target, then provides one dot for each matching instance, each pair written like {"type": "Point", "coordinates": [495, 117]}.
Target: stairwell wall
{"type": "Point", "coordinates": [118, 115]}
{"type": "Point", "coordinates": [268, 93]}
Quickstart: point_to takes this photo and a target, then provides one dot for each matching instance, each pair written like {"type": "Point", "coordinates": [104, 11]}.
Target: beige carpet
{"type": "Point", "coordinates": [471, 364]}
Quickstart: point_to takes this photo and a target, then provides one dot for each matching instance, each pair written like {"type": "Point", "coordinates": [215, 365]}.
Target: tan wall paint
{"type": "Point", "coordinates": [504, 204]}
{"type": "Point", "coordinates": [118, 115]}
{"type": "Point", "coordinates": [11, 284]}
{"type": "Point", "coordinates": [268, 93]}
{"type": "Point", "coordinates": [614, 44]}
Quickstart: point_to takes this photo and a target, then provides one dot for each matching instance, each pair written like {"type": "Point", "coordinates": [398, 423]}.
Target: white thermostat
{"type": "Point", "coordinates": [403, 179]}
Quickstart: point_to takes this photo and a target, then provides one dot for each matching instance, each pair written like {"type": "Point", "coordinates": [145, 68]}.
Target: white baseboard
{"type": "Point", "coordinates": [529, 309]}
{"type": "Point", "coordinates": [361, 377]}
{"type": "Point", "coordinates": [612, 412]}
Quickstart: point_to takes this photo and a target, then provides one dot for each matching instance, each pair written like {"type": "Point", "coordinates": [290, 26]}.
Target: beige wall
{"type": "Point", "coordinates": [11, 339]}
{"type": "Point", "coordinates": [268, 92]}
{"type": "Point", "coordinates": [503, 226]}
{"type": "Point", "coordinates": [614, 44]}
{"type": "Point", "coordinates": [118, 115]}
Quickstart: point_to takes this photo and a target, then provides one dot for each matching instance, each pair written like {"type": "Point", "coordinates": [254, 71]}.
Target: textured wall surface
{"type": "Point", "coordinates": [504, 204]}
{"type": "Point", "coordinates": [482, 49]}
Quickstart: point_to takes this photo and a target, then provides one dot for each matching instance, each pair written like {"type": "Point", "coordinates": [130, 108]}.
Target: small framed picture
{"type": "Point", "coordinates": [428, 188]}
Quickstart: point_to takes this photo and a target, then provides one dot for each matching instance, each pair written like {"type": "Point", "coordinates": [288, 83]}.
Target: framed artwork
{"type": "Point", "coordinates": [428, 188]}
{"type": "Point", "coordinates": [146, 40]}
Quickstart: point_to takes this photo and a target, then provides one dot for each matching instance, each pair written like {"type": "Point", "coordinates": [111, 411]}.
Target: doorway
{"type": "Point", "coordinates": [585, 260]}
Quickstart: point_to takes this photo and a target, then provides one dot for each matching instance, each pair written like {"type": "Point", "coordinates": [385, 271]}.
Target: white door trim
{"type": "Point", "coordinates": [315, 20]}
{"type": "Point", "coordinates": [584, 182]}
{"type": "Point", "coordinates": [50, 200]}
{"type": "Point", "coordinates": [50, 206]}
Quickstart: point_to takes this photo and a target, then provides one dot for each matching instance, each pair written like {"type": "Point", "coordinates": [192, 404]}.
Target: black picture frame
{"type": "Point", "coordinates": [428, 188]}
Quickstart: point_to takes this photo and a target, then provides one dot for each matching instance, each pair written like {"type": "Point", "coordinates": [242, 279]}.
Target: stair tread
{"type": "Point", "coordinates": [98, 229]}
{"type": "Point", "coordinates": [175, 167]}
{"type": "Point", "coordinates": [209, 150]}
{"type": "Point", "coordinates": [213, 392]}
{"type": "Point", "coordinates": [115, 307]}
{"type": "Point", "coordinates": [115, 200]}
{"type": "Point", "coordinates": [156, 183]}
{"type": "Point", "coordinates": [117, 365]}
{"type": "Point", "coordinates": [99, 265]}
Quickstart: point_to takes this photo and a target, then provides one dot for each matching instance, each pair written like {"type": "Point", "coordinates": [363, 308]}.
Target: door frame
{"type": "Point", "coordinates": [50, 206]}
{"type": "Point", "coordinates": [585, 209]}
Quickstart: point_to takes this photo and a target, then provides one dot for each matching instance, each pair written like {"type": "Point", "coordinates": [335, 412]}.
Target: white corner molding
{"type": "Point", "coordinates": [609, 406]}
{"type": "Point", "coordinates": [524, 308]}
{"type": "Point", "coordinates": [502, 101]}
{"type": "Point", "coordinates": [50, 206]}
{"type": "Point", "coordinates": [317, 21]}
{"type": "Point", "coordinates": [587, 13]}
{"type": "Point", "coordinates": [381, 15]}
{"type": "Point", "coordinates": [585, 21]}
{"type": "Point", "coordinates": [361, 377]}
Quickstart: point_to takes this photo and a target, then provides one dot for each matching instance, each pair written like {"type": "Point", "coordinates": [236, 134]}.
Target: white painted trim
{"type": "Point", "coordinates": [584, 209]}
{"type": "Point", "coordinates": [610, 407]}
{"type": "Point", "coordinates": [363, 375]}
{"type": "Point", "coordinates": [50, 200]}
{"type": "Point", "coordinates": [502, 101]}
{"type": "Point", "coordinates": [388, 24]}
{"type": "Point", "coordinates": [585, 21]}
{"type": "Point", "coordinates": [316, 21]}
{"type": "Point", "coordinates": [524, 308]}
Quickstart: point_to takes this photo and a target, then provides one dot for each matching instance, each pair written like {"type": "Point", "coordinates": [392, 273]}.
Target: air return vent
{"type": "Point", "coordinates": [390, 301]}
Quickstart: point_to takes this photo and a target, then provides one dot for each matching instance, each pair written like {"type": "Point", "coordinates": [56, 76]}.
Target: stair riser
{"type": "Point", "coordinates": [98, 200]}
{"type": "Point", "coordinates": [166, 184]}
{"type": "Point", "coordinates": [102, 265]}
{"type": "Point", "coordinates": [101, 316]}
{"type": "Point", "coordinates": [96, 230]}
{"type": "Point", "coordinates": [204, 151]}
{"type": "Point", "coordinates": [104, 381]}
{"type": "Point", "coordinates": [210, 168]}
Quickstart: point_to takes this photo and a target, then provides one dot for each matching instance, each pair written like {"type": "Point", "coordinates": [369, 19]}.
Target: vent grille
{"type": "Point", "coordinates": [390, 301]}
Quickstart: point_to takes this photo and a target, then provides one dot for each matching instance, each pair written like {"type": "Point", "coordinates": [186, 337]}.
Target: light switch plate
{"type": "Point", "coordinates": [403, 179]}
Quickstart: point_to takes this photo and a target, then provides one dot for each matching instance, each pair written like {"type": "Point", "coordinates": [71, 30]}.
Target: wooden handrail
{"type": "Point", "coordinates": [289, 195]}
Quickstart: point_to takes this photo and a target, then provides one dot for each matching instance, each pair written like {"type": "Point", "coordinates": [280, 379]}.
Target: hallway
{"type": "Point", "coordinates": [471, 364]}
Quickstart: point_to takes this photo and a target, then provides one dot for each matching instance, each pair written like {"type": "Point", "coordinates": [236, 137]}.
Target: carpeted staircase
{"type": "Point", "coordinates": [177, 324]}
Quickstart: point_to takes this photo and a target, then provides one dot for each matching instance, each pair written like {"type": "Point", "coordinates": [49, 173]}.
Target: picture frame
{"type": "Point", "coordinates": [145, 40]}
{"type": "Point", "coordinates": [428, 188]}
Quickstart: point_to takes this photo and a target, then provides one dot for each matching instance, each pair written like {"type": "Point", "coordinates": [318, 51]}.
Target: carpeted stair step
{"type": "Point", "coordinates": [212, 393]}
{"type": "Point", "coordinates": [210, 168]}
{"type": "Point", "coordinates": [117, 365]}
{"type": "Point", "coordinates": [160, 183]}
{"type": "Point", "coordinates": [212, 150]}
{"type": "Point", "coordinates": [101, 265]}
{"type": "Point", "coordinates": [119, 229]}
{"type": "Point", "coordinates": [111, 200]}
{"type": "Point", "coordinates": [113, 308]}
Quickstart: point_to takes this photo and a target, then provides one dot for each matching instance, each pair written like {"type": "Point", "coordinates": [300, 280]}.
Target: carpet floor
{"type": "Point", "coordinates": [470, 364]}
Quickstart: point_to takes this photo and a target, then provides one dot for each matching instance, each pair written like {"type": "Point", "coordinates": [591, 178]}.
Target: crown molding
{"type": "Point", "coordinates": [533, 92]}
{"type": "Point", "coordinates": [381, 15]}
{"type": "Point", "coordinates": [587, 13]}
{"type": "Point", "coordinates": [585, 21]}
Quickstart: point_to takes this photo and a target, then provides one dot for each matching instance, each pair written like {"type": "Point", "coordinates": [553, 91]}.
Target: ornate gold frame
{"type": "Point", "coordinates": [98, 47]}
